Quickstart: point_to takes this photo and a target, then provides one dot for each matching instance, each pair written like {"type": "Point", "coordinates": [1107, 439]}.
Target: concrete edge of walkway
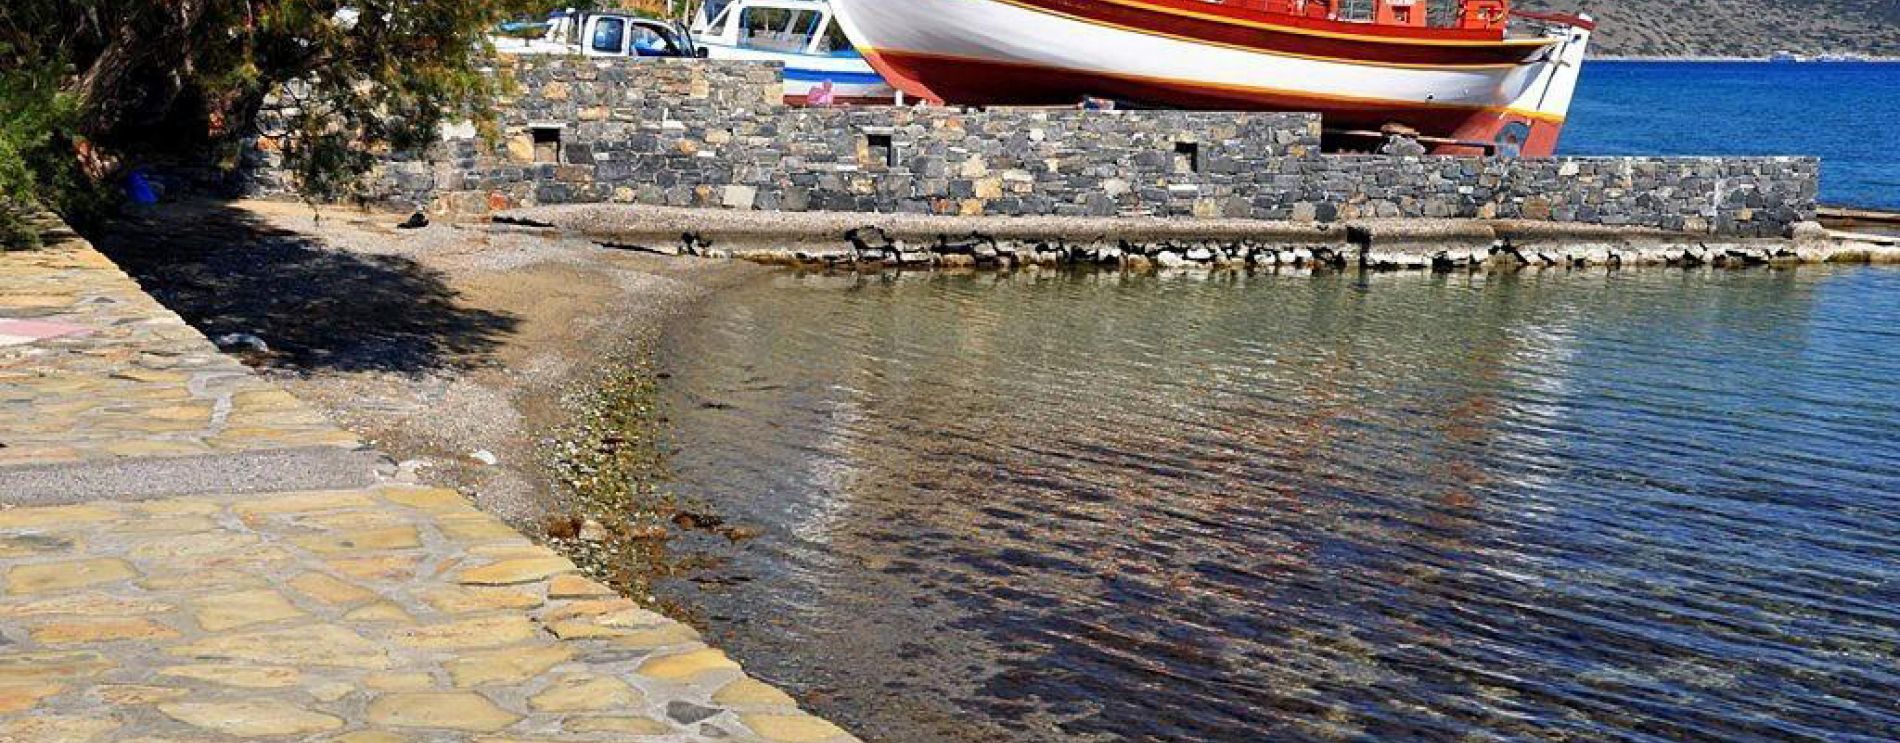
{"type": "Point", "coordinates": [150, 478]}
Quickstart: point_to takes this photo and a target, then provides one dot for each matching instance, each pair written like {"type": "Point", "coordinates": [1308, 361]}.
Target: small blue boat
{"type": "Point", "coordinates": [804, 35]}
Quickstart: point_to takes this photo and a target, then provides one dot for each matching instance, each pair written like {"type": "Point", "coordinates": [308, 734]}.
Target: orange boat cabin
{"type": "Point", "coordinates": [1467, 15]}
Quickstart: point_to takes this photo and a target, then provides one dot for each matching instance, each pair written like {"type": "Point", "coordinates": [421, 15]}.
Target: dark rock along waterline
{"type": "Point", "coordinates": [1075, 506]}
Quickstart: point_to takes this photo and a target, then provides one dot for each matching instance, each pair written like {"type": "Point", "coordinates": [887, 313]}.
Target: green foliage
{"type": "Point", "coordinates": [15, 232]}
{"type": "Point", "coordinates": [32, 112]}
{"type": "Point", "coordinates": [96, 86]}
{"type": "Point", "coordinates": [386, 80]}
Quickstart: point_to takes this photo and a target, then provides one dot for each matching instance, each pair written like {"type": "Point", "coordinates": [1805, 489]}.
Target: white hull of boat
{"type": "Point", "coordinates": [1010, 52]}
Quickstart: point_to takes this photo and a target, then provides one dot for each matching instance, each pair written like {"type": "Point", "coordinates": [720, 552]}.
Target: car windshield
{"type": "Point", "coordinates": [650, 42]}
{"type": "Point", "coordinates": [610, 35]}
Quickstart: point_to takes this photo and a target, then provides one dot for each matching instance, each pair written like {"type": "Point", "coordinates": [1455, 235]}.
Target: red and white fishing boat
{"type": "Point", "coordinates": [1453, 71]}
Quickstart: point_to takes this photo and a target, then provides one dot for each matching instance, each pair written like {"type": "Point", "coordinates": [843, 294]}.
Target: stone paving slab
{"type": "Point", "coordinates": [385, 614]}
{"type": "Point", "coordinates": [123, 376]}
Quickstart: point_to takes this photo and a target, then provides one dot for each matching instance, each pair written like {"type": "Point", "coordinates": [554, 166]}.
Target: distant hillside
{"type": "Point", "coordinates": [1738, 28]}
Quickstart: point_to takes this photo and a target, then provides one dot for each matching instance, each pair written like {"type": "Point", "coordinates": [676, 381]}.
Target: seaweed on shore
{"type": "Point", "coordinates": [611, 461]}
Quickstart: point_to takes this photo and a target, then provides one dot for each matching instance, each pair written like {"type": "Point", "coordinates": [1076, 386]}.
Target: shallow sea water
{"type": "Point", "coordinates": [1637, 505]}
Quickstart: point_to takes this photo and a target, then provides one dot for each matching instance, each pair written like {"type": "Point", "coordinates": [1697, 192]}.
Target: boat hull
{"type": "Point", "coordinates": [1020, 52]}
{"type": "Point", "coordinates": [852, 79]}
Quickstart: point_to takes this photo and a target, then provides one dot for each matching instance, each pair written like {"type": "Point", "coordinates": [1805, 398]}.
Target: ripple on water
{"type": "Point", "coordinates": [1647, 505]}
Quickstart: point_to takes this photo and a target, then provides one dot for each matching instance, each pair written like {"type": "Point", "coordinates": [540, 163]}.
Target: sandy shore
{"type": "Point", "coordinates": [444, 346]}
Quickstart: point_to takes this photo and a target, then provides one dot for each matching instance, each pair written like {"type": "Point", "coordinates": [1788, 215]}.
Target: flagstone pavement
{"type": "Point", "coordinates": [93, 368]}
{"type": "Point", "coordinates": [373, 614]}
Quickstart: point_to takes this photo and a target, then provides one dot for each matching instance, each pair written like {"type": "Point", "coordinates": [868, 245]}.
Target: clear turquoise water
{"type": "Point", "coordinates": [1847, 113]}
{"type": "Point", "coordinates": [1037, 507]}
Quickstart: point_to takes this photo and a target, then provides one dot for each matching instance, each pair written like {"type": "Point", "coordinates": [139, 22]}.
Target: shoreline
{"type": "Point", "coordinates": [607, 453]}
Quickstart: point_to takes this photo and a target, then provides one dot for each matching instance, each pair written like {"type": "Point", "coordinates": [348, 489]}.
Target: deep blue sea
{"type": "Point", "coordinates": [1847, 113]}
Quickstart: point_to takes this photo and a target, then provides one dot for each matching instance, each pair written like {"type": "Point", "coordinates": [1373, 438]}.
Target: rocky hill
{"type": "Point", "coordinates": [1738, 28]}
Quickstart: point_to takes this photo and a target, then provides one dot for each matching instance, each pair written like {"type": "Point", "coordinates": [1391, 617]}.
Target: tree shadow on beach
{"type": "Point", "coordinates": [228, 272]}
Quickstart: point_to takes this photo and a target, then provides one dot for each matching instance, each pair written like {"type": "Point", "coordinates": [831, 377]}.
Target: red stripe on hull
{"type": "Point", "coordinates": [938, 79]}
{"type": "Point", "coordinates": [1357, 49]}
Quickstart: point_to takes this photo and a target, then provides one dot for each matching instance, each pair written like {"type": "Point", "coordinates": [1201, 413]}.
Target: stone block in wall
{"type": "Point", "coordinates": [739, 197]}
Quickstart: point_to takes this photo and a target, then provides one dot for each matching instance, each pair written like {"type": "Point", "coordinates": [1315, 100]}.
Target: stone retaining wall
{"type": "Point", "coordinates": [714, 134]}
